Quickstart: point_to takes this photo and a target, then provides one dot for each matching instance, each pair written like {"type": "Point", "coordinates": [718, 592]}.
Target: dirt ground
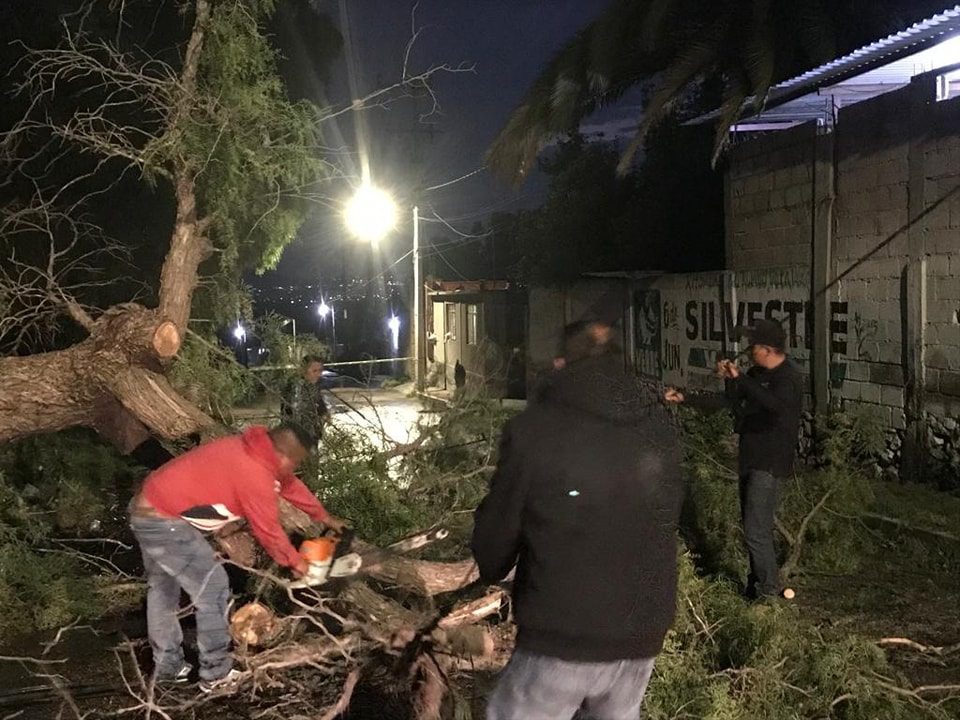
{"type": "Point", "coordinates": [907, 585]}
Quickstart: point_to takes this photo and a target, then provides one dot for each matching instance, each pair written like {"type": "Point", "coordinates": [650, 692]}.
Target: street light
{"type": "Point", "coordinates": [239, 333]}
{"type": "Point", "coordinates": [394, 324]}
{"type": "Point", "coordinates": [370, 214]}
{"type": "Point", "coordinates": [324, 311]}
{"type": "Point", "coordinates": [293, 321]}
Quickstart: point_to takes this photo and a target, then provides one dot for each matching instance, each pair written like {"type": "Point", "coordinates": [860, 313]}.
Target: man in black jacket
{"type": "Point", "coordinates": [302, 402]}
{"type": "Point", "coordinates": [768, 399]}
{"type": "Point", "coordinates": [585, 502]}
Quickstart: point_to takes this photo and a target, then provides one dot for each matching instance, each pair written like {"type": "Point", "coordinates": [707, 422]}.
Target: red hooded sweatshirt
{"type": "Point", "coordinates": [229, 479]}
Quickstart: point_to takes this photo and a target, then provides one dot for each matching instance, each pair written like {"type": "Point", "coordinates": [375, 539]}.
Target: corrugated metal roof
{"type": "Point", "coordinates": [887, 58]}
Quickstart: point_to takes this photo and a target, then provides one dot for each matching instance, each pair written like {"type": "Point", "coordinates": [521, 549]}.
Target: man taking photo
{"type": "Point", "coordinates": [768, 399]}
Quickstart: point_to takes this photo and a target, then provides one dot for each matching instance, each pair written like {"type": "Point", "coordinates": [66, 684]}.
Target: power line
{"type": "Point", "coordinates": [456, 180]}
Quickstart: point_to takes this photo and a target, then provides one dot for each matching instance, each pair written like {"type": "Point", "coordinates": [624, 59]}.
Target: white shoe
{"type": "Point", "coordinates": [227, 682]}
{"type": "Point", "coordinates": [182, 676]}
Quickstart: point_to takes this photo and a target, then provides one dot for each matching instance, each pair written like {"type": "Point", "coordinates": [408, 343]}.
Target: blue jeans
{"type": "Point", "coordinates": [535, 687]}
{"type": "Point", "coordinates": [759, 496]}
{"type": "Point", "coordinates": [176, 556]}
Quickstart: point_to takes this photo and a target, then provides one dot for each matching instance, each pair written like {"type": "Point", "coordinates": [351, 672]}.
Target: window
{"type": "Point", "coordinates": [451, 321]}
{"type": "Point", "coordinates": [473, 324]}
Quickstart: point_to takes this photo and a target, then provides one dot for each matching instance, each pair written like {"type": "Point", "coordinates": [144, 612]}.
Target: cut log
{"type": "Point", "coordinates": [166, 340]}
{"type": "Point", "coordinates": [423, 577]}
{"type": "Point", "coordinates": [254, 625]}
{"type": "Point", "coordinates": [474, 611]}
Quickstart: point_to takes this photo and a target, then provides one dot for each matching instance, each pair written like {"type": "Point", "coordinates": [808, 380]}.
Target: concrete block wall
{"type": "Point", "coordinates": [769, 211]}
{"type": "Point", "coordinates": [941, 228]}
{"type": "Point", "coordinates": [883, 149]}
{"type": "Point", "coordinates": [872, 173]}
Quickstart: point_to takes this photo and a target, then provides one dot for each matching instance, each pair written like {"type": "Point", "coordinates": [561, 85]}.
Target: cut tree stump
{"type": "Point", "coordinates": [166, 340]}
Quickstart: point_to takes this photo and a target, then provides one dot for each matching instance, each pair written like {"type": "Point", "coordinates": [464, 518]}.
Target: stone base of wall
{"type": "Point", "coordinates": [941, 459]}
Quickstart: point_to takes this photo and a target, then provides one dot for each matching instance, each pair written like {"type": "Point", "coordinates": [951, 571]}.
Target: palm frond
{"type": "Point", "coordinates": [655, 20]}
{"type": "Point", "coordinates": [597, 66]}
{"type": "Point", "coordinates": [736, 91]}
{"type": "Point", "coordinates": [760, 53]}
{"type": "Point", "coordinates": [693, 64]}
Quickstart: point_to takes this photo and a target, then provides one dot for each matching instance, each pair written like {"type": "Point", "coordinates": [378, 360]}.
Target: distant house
{"type": "Point", "coordinates": [482, 325]}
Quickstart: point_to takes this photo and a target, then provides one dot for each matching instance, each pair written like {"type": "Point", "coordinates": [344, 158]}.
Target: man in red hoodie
{"type": "Point", "coordinates": [233, 478]}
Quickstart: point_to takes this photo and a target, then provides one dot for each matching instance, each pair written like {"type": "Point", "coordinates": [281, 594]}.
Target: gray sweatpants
{"type": "Point", "coordinates": [535, 687]}
{"type": "Point", "coordinates": [175, 556]}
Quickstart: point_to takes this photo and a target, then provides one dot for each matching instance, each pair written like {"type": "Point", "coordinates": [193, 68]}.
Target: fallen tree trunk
{"type": "Point", "coordinates": [112, 382]}
{"type": "Point", "coordinates": [422, 577]}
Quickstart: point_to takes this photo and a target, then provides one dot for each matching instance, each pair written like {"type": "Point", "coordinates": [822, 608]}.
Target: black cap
{"type": "Point", "coordinates": [606, 309]}
{"type": "Point", "coordinates": [767, 332]}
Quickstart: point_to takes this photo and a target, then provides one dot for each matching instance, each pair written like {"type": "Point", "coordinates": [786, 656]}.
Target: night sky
{"type": "Point", "coordinates": [508, 42]}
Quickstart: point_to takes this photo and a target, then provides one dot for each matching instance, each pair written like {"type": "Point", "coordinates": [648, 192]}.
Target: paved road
{"type": "Point", "coordinates": [386, 417]}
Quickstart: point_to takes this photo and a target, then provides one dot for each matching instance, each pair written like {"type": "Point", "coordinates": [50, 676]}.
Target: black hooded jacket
{"type": "Point", "coordinates": [585, 501]}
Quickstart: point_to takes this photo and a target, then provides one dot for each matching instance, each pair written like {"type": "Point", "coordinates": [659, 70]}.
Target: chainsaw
{"type": "Point", "coordinates": [328, 557]}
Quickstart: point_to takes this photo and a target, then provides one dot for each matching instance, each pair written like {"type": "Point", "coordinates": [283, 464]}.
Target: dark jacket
{"type": "Point", "coordinates": [585, 500]}
{"type": "Point", "coordinates": [767, 406]}
{"type": "Point", "coordinates": [303, 404]}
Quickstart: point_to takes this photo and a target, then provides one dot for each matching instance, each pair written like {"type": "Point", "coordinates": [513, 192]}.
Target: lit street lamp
{"type": "Point", "coordinates": [292, 321]}
{"type": "Point", "coordinates": [239, 333]}
{"type": "Point", "coordinates": [324, 310]}
{"type": "Point", "coordinates": [370, 214]}
{"type": "Point", "coordinates": [394, 324]}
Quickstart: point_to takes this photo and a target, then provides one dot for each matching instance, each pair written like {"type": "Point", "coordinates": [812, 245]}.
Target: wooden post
{"type": "Point", "coordinates": [914, 286]}
{"type": "Point", "coordinates": [824, 192]}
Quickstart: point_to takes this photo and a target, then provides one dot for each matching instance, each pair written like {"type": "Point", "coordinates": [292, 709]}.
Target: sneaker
{"type": "Point", "coordinates": [227, 682]}
{"type": "Point", "coordinates": [182, 676]}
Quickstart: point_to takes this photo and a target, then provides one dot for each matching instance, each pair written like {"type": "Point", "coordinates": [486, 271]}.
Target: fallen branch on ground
{"type": "Point", "coordinates": [938, 650]}
{"type": "Point", "coordinates": [790, 566]}
{"type": "Point", "coordinates": [903, 525]}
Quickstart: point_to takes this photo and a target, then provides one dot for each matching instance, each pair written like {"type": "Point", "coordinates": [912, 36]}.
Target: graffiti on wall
{"type": "Point", "coordinates": [681, 331]}
{"type": "Point", "coordinates": [707, 322]}
{"type": "Point", "coordinates": [647, 335]}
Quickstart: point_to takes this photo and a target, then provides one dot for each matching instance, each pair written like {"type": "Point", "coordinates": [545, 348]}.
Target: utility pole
{"type": "Point", "coordinates": [417, 304]}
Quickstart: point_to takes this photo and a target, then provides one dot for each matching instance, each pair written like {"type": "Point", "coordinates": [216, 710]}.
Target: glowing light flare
{"type": "Point", "coordinates": [323, 310]}
{"type": "Point", "coordinates": [239, 332]}
{"type": "Point", "coordinates": [394, 324]}
{"type": "Point", "coordinates": [371, 213]}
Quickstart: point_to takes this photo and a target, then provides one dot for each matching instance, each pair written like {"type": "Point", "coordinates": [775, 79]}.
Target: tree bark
{"type": "Point", "coordinates": [110, 382]}
{"type": "Point", "coordinates": [188, 245]}
{"type": "Point", "coordinates": [113, 380]}
{"type": "Point", "coordinates": [422, 577]}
